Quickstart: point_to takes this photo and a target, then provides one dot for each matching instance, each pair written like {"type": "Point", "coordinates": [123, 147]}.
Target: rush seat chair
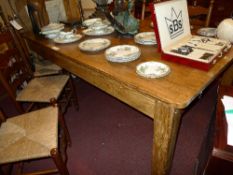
{"type": "Point", "coordinates": [34, 136]}
{"type": "Point", "coordinates": [17, 78]}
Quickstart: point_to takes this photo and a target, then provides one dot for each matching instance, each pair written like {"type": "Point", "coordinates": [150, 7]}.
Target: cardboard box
{"type": "Point", "coordinates": [175, 41]}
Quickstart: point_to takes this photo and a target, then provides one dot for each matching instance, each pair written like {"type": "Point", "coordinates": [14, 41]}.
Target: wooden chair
{"type": "Point", "coordinates": [200, 15]}
{"type": "Point", "coordinates": [38, 14]}
{"type": "Point", "coordinates": [17, 78]}
{"type": "Point", "coordinates": [32, 136]}
{"type": "Point", "coordinates": [221, 150]}
{"type": "Point", "coordinates": [145, 8]}
{"type": "Point", "coordinates": [41, 67]}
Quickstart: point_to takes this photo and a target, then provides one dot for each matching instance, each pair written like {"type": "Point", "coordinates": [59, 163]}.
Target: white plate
{"type": "Point", "coordinates": [122, 53]}
{"type": "Point", "coordinates": [93, 45]}
{"type": "Point", "coordinates": [91, 32]}
{"type": "Point", "coordinates": [89, 22]}
{"type": "Point", "coordinates": [52, 35]}
{"type": "Point", "coordinates": [210, 32]}
{"type": "Point", "coordinates": [74, 38]}
{"type": "Point", "coordinates": [52, 26]}
{"type": "Point", "coordinates": [146, 38]}
{"type": "Point", "coordinates": [52, 31]}
{"type": "Point", "coordinates": [99, 25]}
{"type": "Point", "coordinates": [152, 69]}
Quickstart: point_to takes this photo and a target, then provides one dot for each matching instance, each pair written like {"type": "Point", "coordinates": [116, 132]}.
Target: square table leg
{"type": "Point", "coordinates": [166, 126]}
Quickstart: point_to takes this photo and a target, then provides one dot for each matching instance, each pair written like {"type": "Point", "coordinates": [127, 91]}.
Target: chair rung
{"type": "Point", "coordinates": [49, 171]}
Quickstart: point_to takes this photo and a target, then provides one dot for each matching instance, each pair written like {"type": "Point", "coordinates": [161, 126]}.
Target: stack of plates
{"type": "Point", "coordinates": [97, 27]}
{"type": "Point", "coordinates": [94, 45]}
{"type": "Point", "coordinates": [145, 38]}
{"type": "Point", "coordinates": [122, 53]}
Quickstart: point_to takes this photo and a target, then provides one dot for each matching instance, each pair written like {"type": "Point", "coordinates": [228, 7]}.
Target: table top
{"type": "Point", "coordinates": [179, 88]}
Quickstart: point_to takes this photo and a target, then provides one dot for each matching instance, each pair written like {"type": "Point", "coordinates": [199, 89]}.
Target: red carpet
{"type": "Point", "coordinates": [111, 138]}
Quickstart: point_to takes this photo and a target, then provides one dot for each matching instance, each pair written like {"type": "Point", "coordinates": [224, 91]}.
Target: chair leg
{"type": "Point", "coordinates": [6, 169]}
{"type": "Point", "coordinates": [61, 166]}
{"type": "Point", "coordinates": [19, 168]}
{"type": "Point", "coordinates": [62, 122]}
{"type": "Point", "coordinates": [64, 127]}
{"type": "Point", "coordinates": [74, 95]}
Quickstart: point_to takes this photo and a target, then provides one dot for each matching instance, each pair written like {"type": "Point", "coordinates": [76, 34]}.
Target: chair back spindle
{"type": "Point", "coordinates": [199, 14]}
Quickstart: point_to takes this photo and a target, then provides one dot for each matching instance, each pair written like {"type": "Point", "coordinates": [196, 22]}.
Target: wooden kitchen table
{"type": "Point", "coordinates": [162, 99]}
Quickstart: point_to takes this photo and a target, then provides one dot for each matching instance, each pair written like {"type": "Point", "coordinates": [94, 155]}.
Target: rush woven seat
{"type": "Point", "coordinates": [32, 136]}
{"type": "Point", "coordinates": [44, 68]}
{"type": "Point", "coordinates": [43, 89]}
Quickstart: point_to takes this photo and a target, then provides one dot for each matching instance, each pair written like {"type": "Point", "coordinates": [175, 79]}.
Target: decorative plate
{"type": "Point", "coordinates": [209, 32]}
{"type": "Point", "coordinates": [91, 21]}
{"type": "Point", "coordinates": [52, 28]}
{"type": "Point", "coordinates": [122, 53]}
{"type": "Point", "coordinates": [146, 38]}
{"type": "Point", "coordinates": [152, 69]}
{"type": "Point", "coordinates": [99, 25]}
{"type": "Point", "coordinates": [52, 31]}
{"type": "Point", "coordinates": [91, 32]}
{"type": "Point", "coordinates": [93, 45]}
{"type": "Point", "coordinates": [73, 38]}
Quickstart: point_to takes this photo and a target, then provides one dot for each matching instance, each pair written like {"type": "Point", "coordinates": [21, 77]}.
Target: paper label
{"type": "Point", "coordinates": [16, 25]}
{"type": "Point", "coordinates": [228, 106]}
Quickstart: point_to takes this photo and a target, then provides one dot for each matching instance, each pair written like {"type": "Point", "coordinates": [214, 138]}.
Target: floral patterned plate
{"type": "Point", "coordinates": [92, 32]}
{"type": "Point", "coordinates": [91, 21]}
{"type": "Point", "coordinates": [152, 69]}
{"type": "Point", "coordinates": [70, 39]}
{"type": "Point", "coordinates": [94, 45]}
{"type": "Point", "coordinates": [145, 38]}
{"type": "Point", "coordinates": [52, 28]}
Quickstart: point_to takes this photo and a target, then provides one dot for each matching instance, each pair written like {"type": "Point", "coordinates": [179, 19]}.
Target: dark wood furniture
{"type": "Point", "coordinates": [222, 153]}
{"type": "Point", "coordinates": [18, 81]}
{"type": "Point", "coordinates": [163, 100]}
{"type": "Point", "coordinates": [221, 10]}
{"type": "Point", "coordinates": [200, 15]}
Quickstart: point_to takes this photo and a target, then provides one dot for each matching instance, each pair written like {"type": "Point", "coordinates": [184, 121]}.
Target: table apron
{"type": "Point", "coordinates": [108, 84]}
